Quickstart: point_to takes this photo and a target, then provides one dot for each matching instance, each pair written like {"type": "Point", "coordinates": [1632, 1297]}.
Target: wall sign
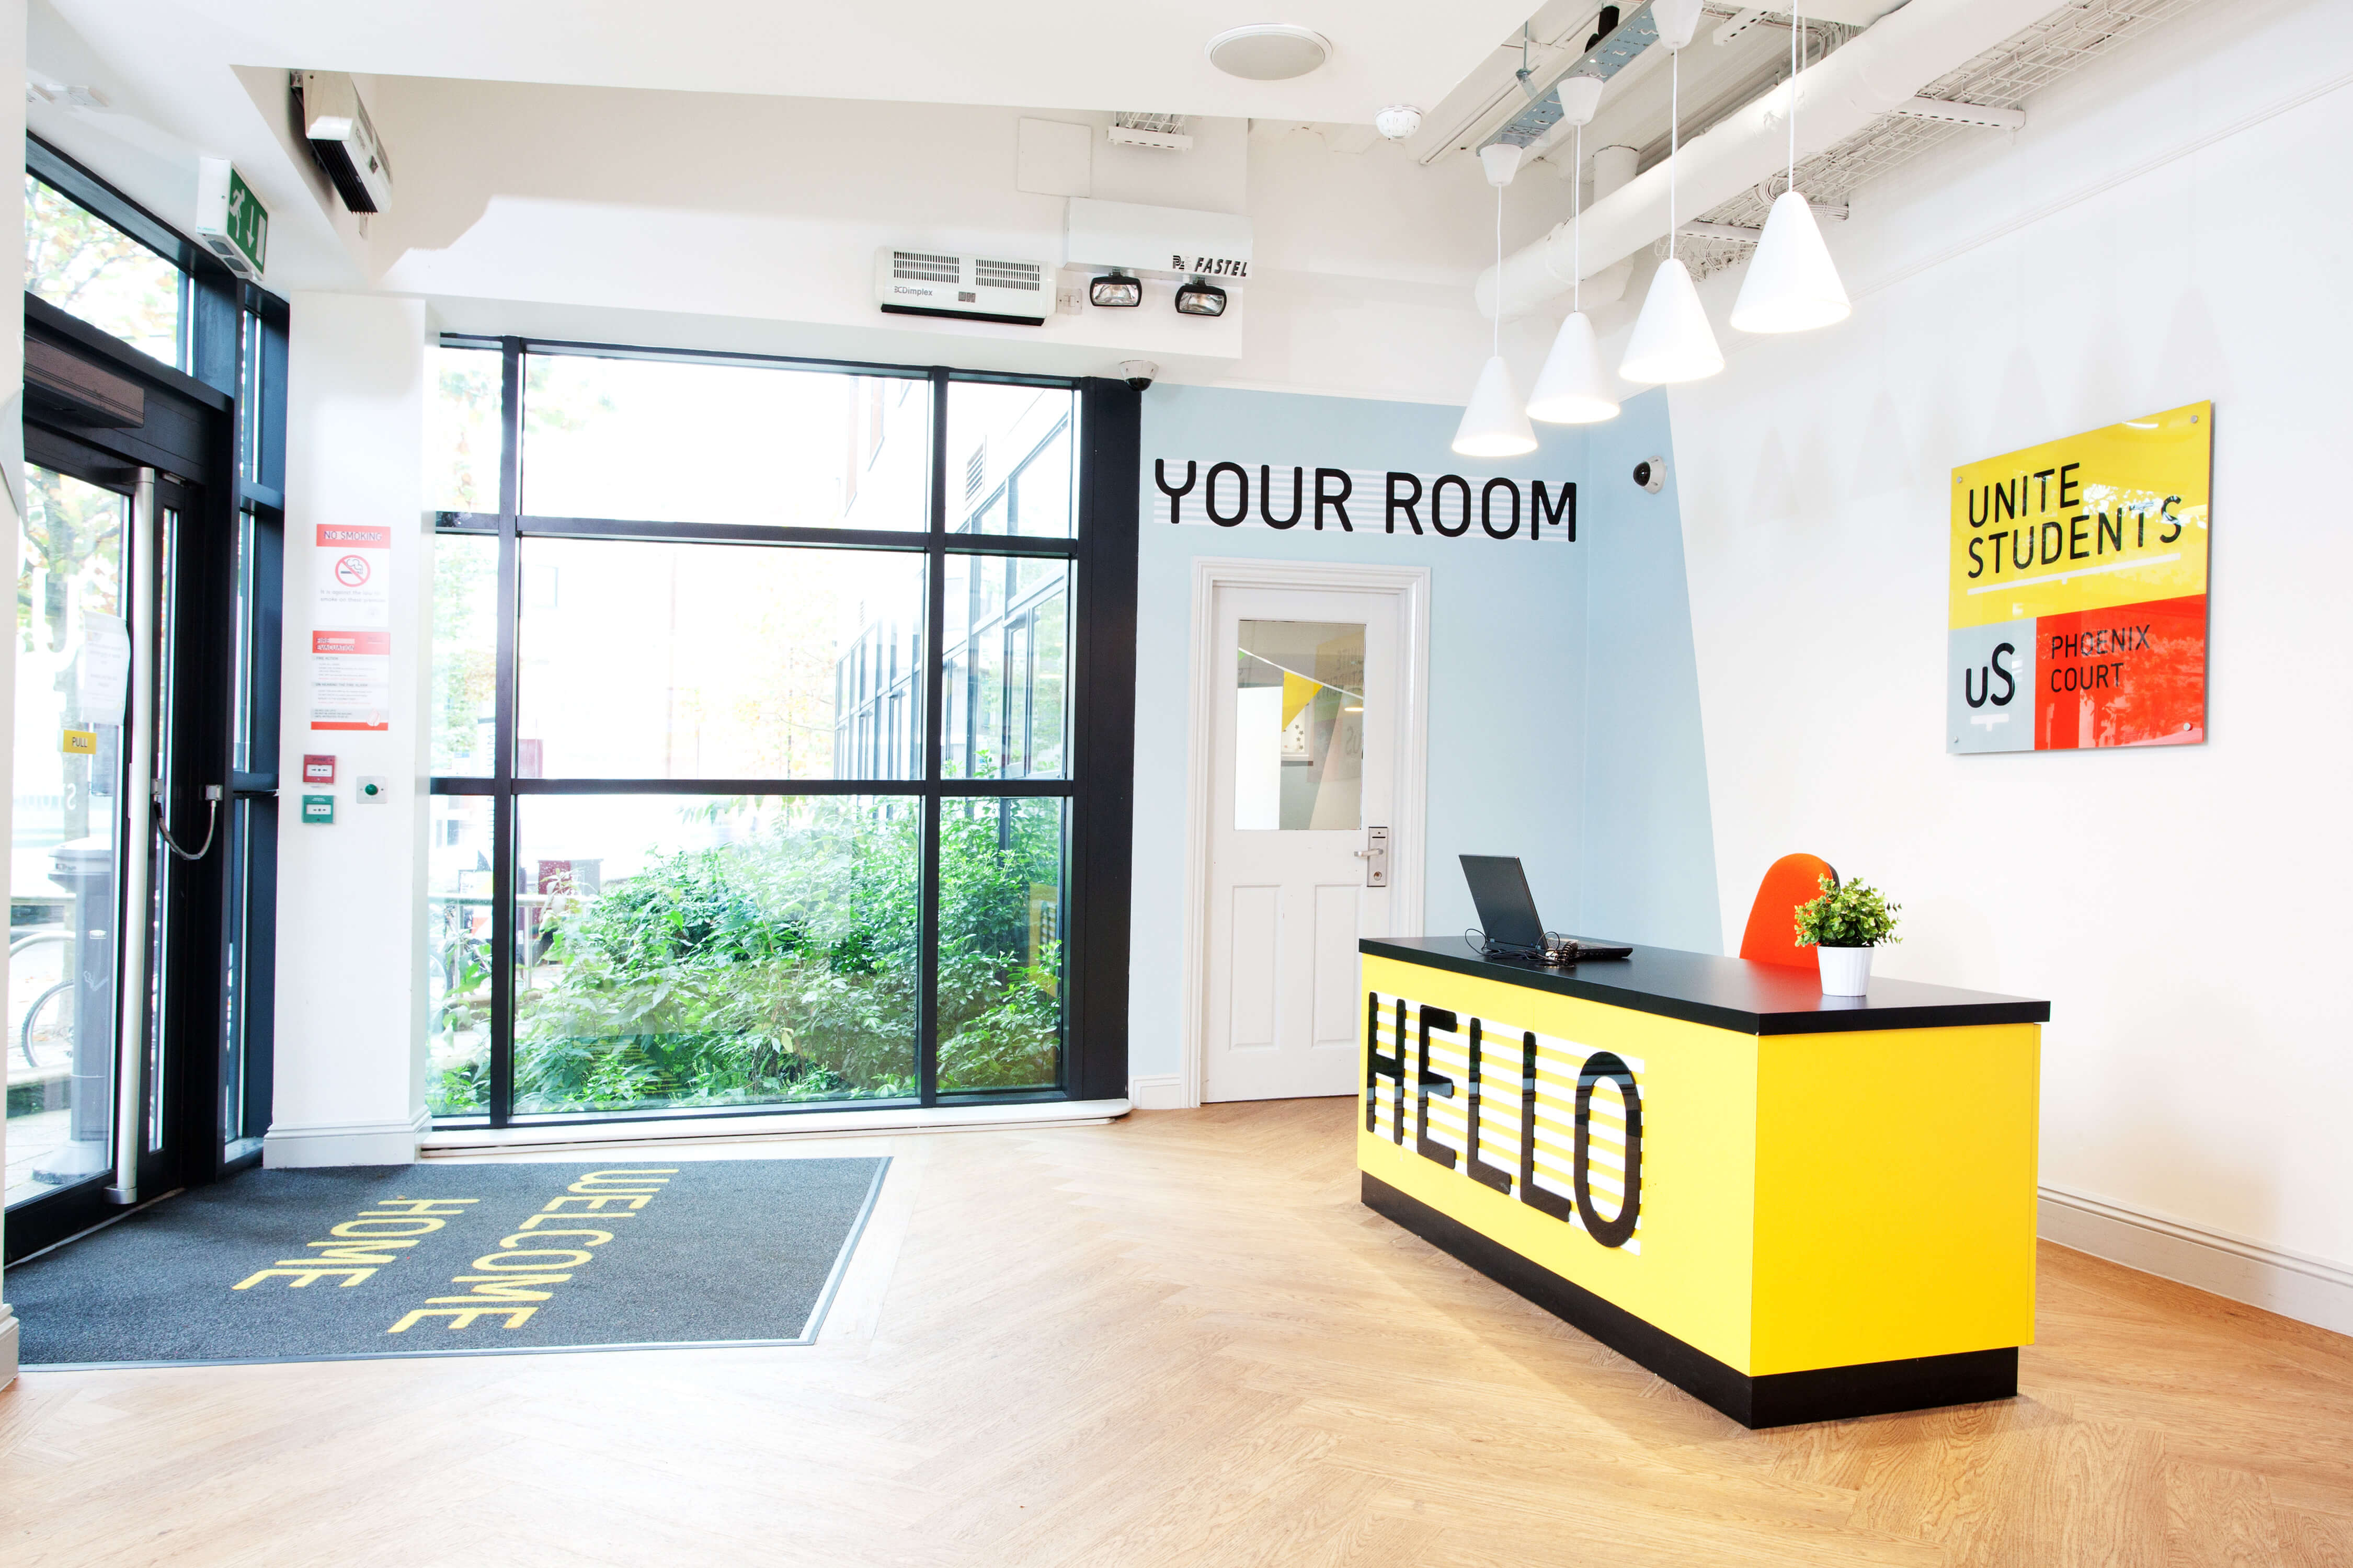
{"type": "Point", "coordinates": [1521, 1113]}
{"type": "Point", "coordinates": [2078, 608]}
{"type": "Point", "coordinates": [351, 649]}
{"type": "Point", "coordinates": [1227, 494]}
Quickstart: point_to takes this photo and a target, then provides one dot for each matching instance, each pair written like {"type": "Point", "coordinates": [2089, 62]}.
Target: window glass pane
{"type": "Point", "coordinates": [459, 887]}
{"type": "Point", "coordinates": [1299, 726]}
{"type": "Point", "coordinates": [1001, 969]}
{"type": "Point", "coordinates": [465, 655]}
{"type": "Point", "coordinates": [1007, 667]}
{"type": "Point", "coordinates": [84, 265]}
{"type": "Point", "coordinates": [73, 659]}
{"type": "Point", "coordinates": [462, 429]}
{"type": "Point", "coordinates": [678, 951]}
{"type": "Point", "coordinates": [649, 660]}
{"type": "Point", "coordinates": [666, 442]}
{"type": "Point", "coordinates": [1012, 448]}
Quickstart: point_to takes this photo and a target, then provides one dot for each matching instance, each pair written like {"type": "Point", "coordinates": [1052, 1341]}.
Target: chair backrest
{"type": "Point", "coordinates": [1772, 934]}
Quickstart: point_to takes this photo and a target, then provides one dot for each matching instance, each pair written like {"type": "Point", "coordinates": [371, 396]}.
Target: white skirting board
{"type": "Point", "coordinates": [345, 1143]}
{"type": "Point", "coordinates": [7, 1345]}
{"type": "Point", "coordinates": [459, 1142]}
{"type": "Point", "coordinates": [2308, 1290]}
{"type": "Point", "coordinates": [1161, 1092]}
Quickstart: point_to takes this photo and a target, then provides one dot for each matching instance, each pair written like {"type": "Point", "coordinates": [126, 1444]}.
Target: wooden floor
{"type": "Point", "coordinates": [1179, 1339]}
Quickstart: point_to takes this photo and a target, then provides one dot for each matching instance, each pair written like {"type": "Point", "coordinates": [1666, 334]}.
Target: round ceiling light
{"type": "Point", "coordinates": [1269, 51]}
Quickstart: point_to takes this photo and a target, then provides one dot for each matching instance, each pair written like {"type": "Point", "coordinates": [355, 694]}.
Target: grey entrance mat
{"type": "Point", "coordinates": [454, 1259]}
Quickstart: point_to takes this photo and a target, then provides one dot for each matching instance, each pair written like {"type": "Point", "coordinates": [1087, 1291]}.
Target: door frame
{"type": "Point", "coordinates": [1410, 586]}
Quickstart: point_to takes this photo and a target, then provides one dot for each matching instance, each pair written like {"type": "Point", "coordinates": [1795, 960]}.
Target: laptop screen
{"type": "Point", "coordinates": [1507, 913]}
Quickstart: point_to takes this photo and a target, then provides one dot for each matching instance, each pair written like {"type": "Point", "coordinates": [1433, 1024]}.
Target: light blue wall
{"type": "Point", "coordinates": [1648, 866]}
{"type": "Point", "coordinates": [1507, 651]}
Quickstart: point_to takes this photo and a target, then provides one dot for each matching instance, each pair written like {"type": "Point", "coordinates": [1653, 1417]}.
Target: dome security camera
{"type": "Point", "coordinates": [1651, 473]}
{"type": "Point", "coordinates": [1138, 372]}
{"type": "Point", "coordinates": [1398, 122]}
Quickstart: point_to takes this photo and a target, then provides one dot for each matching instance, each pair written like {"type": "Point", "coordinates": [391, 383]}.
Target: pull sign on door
{"type": "Point", "coordinates": [1376, 857]}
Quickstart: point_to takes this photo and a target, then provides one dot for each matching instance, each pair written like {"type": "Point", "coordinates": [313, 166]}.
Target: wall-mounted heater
{"type": "Point", "coordinates": [966, 288]}
{"type": "Point", "coordinates": [344, 139]}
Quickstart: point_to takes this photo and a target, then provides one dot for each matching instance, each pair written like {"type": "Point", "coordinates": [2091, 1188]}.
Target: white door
{"type": "Point", "coordinates": [1302, 773]}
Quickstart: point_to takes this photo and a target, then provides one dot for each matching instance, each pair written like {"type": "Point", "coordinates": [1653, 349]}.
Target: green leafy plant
{"type": "Point", "coordinates": [1853, 915]}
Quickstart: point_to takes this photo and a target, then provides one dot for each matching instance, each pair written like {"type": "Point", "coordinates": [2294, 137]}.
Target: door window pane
{"type": "Point", "coordinates": [666, 442]}
{"type": "Point", "coordinates": [1012, 450]}
{"type": "Point", "coordinates": [462, 429]}
{"type": "Point", "coordinates": [459, 886]}
{"type": "Point", "coordinates": [1299, 726]}
{"type": "Point", "coordinates": [1008, 667]}
{"type": "Point", "coordinates": [648, 661]}
{"type": "Point", "coordinates": [1001, 971]}
{"type": "Point", "coordinates": [87, 268]}
{"type": "Point", "coordinates": [696, 951]}
{"type": "Point", "coordinates": [465, 655]}
{"type": "Point", "coordinates": [73, 662]}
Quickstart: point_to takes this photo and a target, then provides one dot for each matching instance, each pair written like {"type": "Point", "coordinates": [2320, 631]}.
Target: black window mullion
{"type": "Point", "coordinates": [502, 802]}
{"type": "Point", "coordinates": [927, 1006]}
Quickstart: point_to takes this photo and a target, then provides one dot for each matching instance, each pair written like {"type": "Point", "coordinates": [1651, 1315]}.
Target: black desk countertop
{"type": "Point", "coordinates": [1725, 992]}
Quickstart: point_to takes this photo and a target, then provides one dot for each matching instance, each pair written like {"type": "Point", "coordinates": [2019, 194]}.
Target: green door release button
{"type": "Point", "coordinates": [318, 808]}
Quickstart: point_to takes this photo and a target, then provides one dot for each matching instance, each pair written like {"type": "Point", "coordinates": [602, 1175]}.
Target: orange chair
{"type": "Point", "coordinates": [1772, 934]}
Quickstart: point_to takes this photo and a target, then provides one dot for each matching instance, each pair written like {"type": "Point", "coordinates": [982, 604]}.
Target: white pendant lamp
{"type": "Point", "coordinates": [1673, 340]}
{"type": "Point", "coordinates": [1495, 423]}
{"type": "Point", "coordinates": [1573, 388]}
{"type": "Point", "coordinates": [1793, 285]}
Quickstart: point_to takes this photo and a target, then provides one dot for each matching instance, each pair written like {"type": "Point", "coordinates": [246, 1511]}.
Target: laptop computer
{"type": "Point", "coordinates": [1507, 913]}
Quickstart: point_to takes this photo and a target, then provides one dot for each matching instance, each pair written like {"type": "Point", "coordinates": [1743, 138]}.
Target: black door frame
{"type": "Point", "coordinates": [216, 440]}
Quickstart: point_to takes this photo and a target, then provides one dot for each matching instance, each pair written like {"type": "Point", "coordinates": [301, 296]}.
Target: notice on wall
{"type": "Point", "coordinates": [2078, 609]}
{"type": "Point", "coordinates": [1222, 493]}
{"type": "Point", "coordinates": [351, 646]}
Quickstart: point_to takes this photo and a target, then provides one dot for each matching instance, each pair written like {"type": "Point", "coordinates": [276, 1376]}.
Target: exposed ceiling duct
{"type": "Point", "coordinates": [1860, 100]}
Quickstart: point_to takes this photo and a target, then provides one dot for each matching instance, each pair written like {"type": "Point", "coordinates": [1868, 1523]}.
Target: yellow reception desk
{"type": "Point", "coordinates": [1796, 1207]}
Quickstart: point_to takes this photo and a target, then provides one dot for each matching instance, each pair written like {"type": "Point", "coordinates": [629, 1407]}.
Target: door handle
{"type": "Point", "coordinates": [1376, 857]}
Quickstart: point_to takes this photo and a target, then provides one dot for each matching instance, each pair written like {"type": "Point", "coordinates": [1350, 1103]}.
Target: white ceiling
{"type": "Point", "coordinates": [1068, 54]}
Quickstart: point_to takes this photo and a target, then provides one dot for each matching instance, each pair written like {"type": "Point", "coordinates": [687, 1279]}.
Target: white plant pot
{"type": "Point", "coordinates": [1846, 970]}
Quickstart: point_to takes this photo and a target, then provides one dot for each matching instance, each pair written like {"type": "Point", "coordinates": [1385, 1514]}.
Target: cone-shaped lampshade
{"type": "Point", "coordinates": [1676, 21]}
{"type": "Point", "coordinates": [1792, 284]}
{"type": "Point", "coordinates": [1672, 340]}
{"type": "Point", "coordinates": [1495, 424]}
{"type": "Point", "coordinates": [1573, 388]}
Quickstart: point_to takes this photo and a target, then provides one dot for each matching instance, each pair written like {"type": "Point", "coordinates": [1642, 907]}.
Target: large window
{"type": "Point", "coordinates": [86, 267]}
{"type": "Point", "coordinates": [760, 777]}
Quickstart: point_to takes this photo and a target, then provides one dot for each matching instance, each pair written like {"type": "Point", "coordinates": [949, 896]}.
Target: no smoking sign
{"type": "Point", "coordinates": [352, 571]}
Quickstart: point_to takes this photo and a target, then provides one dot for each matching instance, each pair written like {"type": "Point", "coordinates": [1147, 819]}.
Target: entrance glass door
{"type": "Point", "coordinates": [66, 861]}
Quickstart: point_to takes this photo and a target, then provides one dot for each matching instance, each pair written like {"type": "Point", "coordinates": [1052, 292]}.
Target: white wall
{"type": "Point", "coordinates": [349, 1059]}
{"type": "Point", "coordinates": [2166, 229]}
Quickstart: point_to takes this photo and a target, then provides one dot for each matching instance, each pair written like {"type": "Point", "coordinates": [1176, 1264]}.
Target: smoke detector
{"type": "Point", "coordinates": [1269, 51]}
{"type": "Point", "coordinates": [1398, 122]}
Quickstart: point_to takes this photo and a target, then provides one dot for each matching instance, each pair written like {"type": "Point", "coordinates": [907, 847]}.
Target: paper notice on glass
{"type": "Point", "coordinates": [102, 669]}
{"type": "Point", "coordinates": [351, 680]}
{"type": "Point", "coordinates": [354, 576]}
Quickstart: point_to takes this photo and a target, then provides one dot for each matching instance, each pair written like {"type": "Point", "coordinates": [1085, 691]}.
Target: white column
{"type": "Point", "coordinates": [349, 1070]}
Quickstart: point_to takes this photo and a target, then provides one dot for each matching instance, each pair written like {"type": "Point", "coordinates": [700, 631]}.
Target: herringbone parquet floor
{"type": "Point", "coordinates": [1179, 1339]}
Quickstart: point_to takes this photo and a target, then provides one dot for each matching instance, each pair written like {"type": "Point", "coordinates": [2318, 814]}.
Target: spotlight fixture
{"type": "Point", "coordinates": [1200, 298]}
{"type": "Point", "coordinates": [1116, 291]}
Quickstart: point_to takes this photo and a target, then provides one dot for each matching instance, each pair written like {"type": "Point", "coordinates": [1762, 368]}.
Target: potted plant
{"type": "Point", "coordinates": [1842, 926]}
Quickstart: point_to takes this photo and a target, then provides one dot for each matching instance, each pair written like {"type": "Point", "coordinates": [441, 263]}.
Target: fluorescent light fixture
{"type": "Point", "coordinates": [1573, 388]}
{"type": "Point", "coordinates": [1793, 285]}
{"type": "Point", "coordinates": [1496, 424]}
{"type": "Point", "coordinates": [1115, 290]}
{"type": "Point", "coordinates": [1200, 298]}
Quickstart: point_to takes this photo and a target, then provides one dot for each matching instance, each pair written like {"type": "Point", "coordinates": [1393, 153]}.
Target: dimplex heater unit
{"type": "Point", "coordinates": [344, 139]}
{"type": "Point", "coordinates": [968, 288]}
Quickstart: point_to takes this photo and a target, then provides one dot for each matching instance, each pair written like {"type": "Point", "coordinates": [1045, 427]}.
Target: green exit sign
{"type": "Point", "coordinates": [230, 219]}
